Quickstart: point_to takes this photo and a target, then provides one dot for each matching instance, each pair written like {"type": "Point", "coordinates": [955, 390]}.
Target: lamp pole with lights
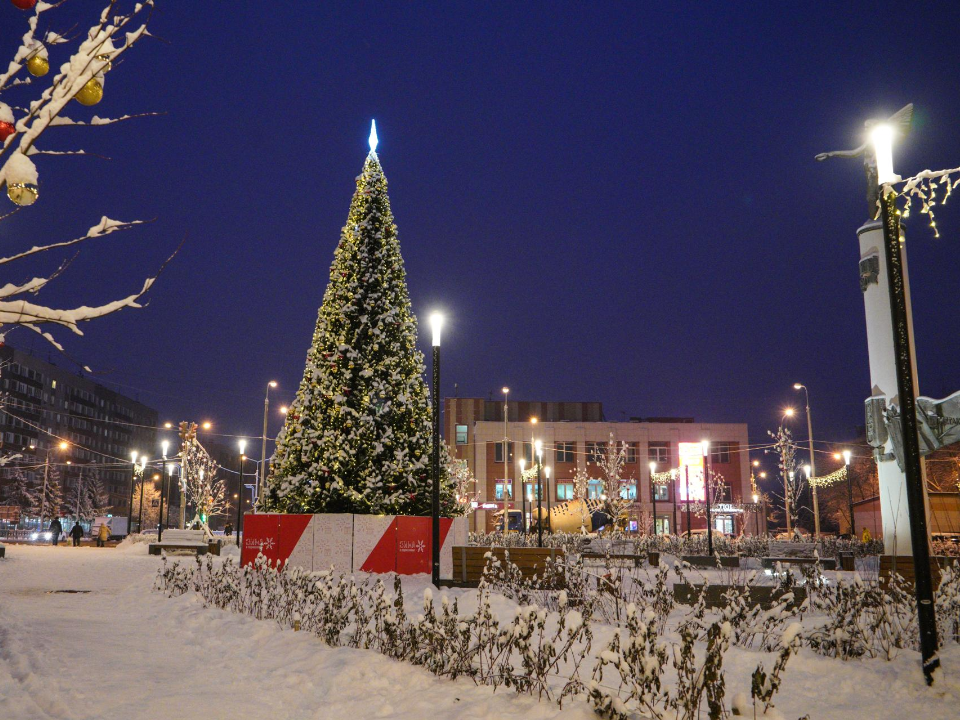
{"type": "Point", "coordinates": [507, 487]}
{"type": "Point", "coordinates": [653, 494]}
{"type": "Point", "coordinates": [164, 446]}
{"type": "Point", "coordinates": [263, 444]}
{"type": "Point", "coordinates": [143, 475]}
{"type": "Point", "coordinates": [546, 473]}
{"type": "Point", "coordinates": [787, 478]}
{"type": "Point", "coordinates": [846, 461]}
{"type": "Point", "coordinates": [705, 446]}
{"type": "Point", "coordinates": [813, 463]}
{"type": "Point", "coordinates": [436, 324]}
{"type": "Point", "coordinates": [133, 481]}
{"type": "Point", "coordinates": [243, 447]}
{"type": "Point", "coordinates": [538, 449]}
{"type": "Point", "coordinates": [523, 496]}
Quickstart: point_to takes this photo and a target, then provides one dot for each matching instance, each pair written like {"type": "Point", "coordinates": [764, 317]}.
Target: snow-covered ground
{"type": "Point", "coordinates": [123, 651]}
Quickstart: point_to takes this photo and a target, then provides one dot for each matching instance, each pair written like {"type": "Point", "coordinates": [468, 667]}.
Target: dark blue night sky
{"type": "Point", "coordinates": [611, 201]}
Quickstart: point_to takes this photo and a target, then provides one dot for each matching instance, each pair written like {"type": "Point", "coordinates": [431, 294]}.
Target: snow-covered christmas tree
{"type": "Point", "coordinates": [358, 435]}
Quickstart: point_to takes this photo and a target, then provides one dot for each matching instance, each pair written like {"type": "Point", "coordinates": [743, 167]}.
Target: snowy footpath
{"type": "Point", "coordinates": [124, 652]}
{"type": "Point", "coordinates": [120, 651]}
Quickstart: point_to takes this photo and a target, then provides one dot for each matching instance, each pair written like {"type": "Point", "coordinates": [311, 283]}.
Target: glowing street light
{"type": "Point", "coordinates": [243, 447]}
{"type": "Point", "coordinates": [436, 325]}
{"type": "Point", "coordinates": [705, 446]}
{"type": "Point", "coordinates": [653, 494]}
{"type": "Point", "coordinates": [881, 136]}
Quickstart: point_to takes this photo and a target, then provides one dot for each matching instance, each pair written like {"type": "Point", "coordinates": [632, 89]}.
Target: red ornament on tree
{"type": "Point", "coordinates": [23, 4]}
{"type": "Point", "coordinates": [6, 130]}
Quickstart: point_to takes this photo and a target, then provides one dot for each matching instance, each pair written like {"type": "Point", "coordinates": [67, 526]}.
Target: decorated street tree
{"type": "Point", "coordinates": [357, 437]}
{"type": "Point", "coordinates": [32, 104]}
{"type": "Point", "coordinates": [204, 490]}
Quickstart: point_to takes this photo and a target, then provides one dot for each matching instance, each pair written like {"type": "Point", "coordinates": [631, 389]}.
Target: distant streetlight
{"type": "Point", "coordinates": [813, 463]}
{"type": "Point", "coordinates": [284, 410]}
{"type": "Point", "coordinates": [164, 446]}
{"type": "Point", "coordinates": [523, 495]}
{"type": "Point", "coordinates": [653, 494]}
{"type": "Point", "coordinates": [133, 481]}
{"type": "Point", "coordinates": [243, 446]}
{"type": "Point", "coordinates": [207, 425]}
{"type": "Point", "coordinates": [263, 444]}
{"type": "Point", "coordinates": [705, 446]}
{"type": "Point", "coordinates": [507, 485]}
{"type": "Point", "coordinates": [538, 450]}
{"type": "Point", "coordinates": [436, 325]}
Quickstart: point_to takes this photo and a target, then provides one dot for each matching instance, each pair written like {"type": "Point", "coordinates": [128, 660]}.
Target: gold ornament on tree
{"type": "Point", "coordinates": [91, 93]}
{"type": "Point", "coordinates": [38, 65]}
{"type": "Point", "coordinates": [22, 194]}
{"type": "Point", "coordinates": [21, 179]}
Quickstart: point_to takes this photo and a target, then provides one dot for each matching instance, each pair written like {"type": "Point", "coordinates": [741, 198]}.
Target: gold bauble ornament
{"type": "Point", "coordinates": [105, 59]}
{"type": "Point", "coordinates": [91, 93]}
{"type": "Point", "coordinates": [38, 66]}
{"type": "Point", "coordinates": [22, 194]}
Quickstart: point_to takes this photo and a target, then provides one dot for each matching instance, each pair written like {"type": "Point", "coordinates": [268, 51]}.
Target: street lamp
{"type": "Point", "coordinates": [507, 485]}
{"type": "Point", "coordinates": [263, 446]}
{"type": "Point", "coordinates": [523, 496]}
{"type": "Point", "coordinates": [538, 449]}
{"type": "Point", "coordinates": [165, 445]}
{"type": "Point", "coordinates": [813, 464]}
{"type": "Point", "coordinates": [133, 480]}
{"type": "Point", "coordinates": [243, 447]}
{"type": "Point", "coordinates": [546, 473]}
{"type": "Point", "coordinates": [143, 467]}
{"type": "Point", "coordinates": [846, 462]}
{"type": "Point", "coordinates": [653, 494]}
{"type": "Point", "coordinates": [436, 325]}
{"type": "Point", "coordinates": [705, 446]}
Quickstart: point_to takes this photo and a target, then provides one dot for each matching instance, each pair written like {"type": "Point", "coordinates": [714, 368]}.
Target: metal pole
{"type": "Point", "coordinates": [706, 492]}
{"type": "Point", "coordinates": [813, 468]}
{"type": "Point", "coordinates": [653, 499]}
{"type": "Point", "coordinates": [133, 480]}
{"type": "Point", "coordinates": [676, 530]}
{"type": "Point", "coordinates": [903, 348]}
{"type": "Point", "coordinates": [43, 497]}
{"type": "Point", "coordinates": [787, 484]}
{"type": "Point", "coordinates": [239, 502]}
{"type": "Point", "coordinates": [689, 526]}
{"type": "Point", "coordinates": [79, 491]}
{"type": "Point", "coordinates": [507, 486]}
{"type": "Point", "coordinates": [539, 503]}
{"type": "Point", "coordinates": [263, 449]}
{"type": "Point", "coordinates": [546, 488]}
{"type": "Point", "coordinates": [436, 466]}
{"type": "Point", "coordinates": [143, 475]}
{"type": "Point", "coordinates": [853, 531]}
{"type": "Point", "coordinates": [163, 488]}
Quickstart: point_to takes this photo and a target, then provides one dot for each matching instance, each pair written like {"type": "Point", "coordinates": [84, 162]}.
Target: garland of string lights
{"type": "Point", "coordinates": [665, 476]}
{"type": "Point", "coordinates": [828, 480]}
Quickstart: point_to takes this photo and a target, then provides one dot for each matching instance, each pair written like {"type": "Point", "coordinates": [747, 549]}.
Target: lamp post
{"type": "Point", "coordinates": [788, 478]}
{"type": "Point", "coordinates": [846, 461]}
{"type": "Point", "coordinates": [538, 449]}
{"type": "Point", "coordinates": [263, 445]}
{"type": "Point", "coordinates": [705, 446]}
{"type": "Point", "coordinates": [507, 486]}
{"type": "Point", "coordinates": [163, 486]}
{"type": "Point", "coordinates": [436, 324]}
{"type": "Point", "coordinates": [243, 447]}
{"type": "Point", "coordinates": [813, 464]}
{"type": "Point", "coordinates": [143, 470]}
{"type": "Point", "coordinates": [133, 480]}
{"type": "Point", "coordinates": [523, 497]}
{"type": "Point", "coordinates": [687, 474]}
{"type": "Point", "coordinates": [653, 494]}
{"type": "Point", "coordinates": [756, 511]}
{"type": "Point", "coordinates": [546, 472]}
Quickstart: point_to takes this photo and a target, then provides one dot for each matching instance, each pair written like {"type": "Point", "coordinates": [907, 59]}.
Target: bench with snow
{"type": "Point", "coordinates": [183, 540]}
{"type": "Point", "coordinates": [799, 553]}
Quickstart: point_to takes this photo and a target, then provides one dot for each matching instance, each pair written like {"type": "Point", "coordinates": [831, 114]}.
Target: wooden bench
{"type": "Point", "coordinates": [798, 553]}
{"type": "Point", "coordinates": [711, 561]}
{"type": "Point", "coordinates": [185, 540]}
{"type": "Point", "coordinates": [763, 595]}
{"type": "Point", "coordinates": [470, 560]}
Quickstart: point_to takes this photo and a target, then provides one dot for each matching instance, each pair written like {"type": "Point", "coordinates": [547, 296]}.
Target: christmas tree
{"type": "Point", "coordinates": [357, 437]}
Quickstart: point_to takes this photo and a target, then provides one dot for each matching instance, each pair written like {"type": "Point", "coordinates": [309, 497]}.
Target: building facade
{"type": "Point", "coordinates": [574, 438]}
{"type": "Point", "coordinates": [44, 405]}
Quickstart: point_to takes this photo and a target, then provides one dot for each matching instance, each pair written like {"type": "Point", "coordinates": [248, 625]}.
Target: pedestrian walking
{"type": "Point", "coordinates": [56, 529]}
{"type": "Point", "coordinates": [76, 532]}
{"type": "Point", "coordinates": [103, 534]}
{"type": "Point", "coordinates": [228, 529]}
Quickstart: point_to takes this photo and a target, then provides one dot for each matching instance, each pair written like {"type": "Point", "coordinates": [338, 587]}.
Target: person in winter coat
{"type": "Point", "coordinates": [103, 534]}
{"type": "Point", "coordinates": [228, 529]}
{"type": "Point", "coordinates": [76, 532]}
{"type": "Point", "coordinates": [56, 529]}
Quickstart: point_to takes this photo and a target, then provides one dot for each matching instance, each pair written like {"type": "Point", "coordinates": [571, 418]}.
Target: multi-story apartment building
{"type": "Point", "coordinates": [575, 436]}
{"type": "Point", "coordinates": [42, 405]}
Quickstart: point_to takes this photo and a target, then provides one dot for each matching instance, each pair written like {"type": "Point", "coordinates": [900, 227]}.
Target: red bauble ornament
{"type": "Point", "coordinates": [23, 4]}
{"type": "Point", "coordinates": [6, 130]}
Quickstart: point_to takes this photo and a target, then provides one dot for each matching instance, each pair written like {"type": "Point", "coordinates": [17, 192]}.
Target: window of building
{"type": "Point", "coordinates": [594, 489]}
{"type": "Point", "coordinates": [530, 491]}
{"type": "Point", "coordinates": [628, 492]}
{"type": "Point", "coordinates": [661, 491]}
{"type": "Point", "coordinates": [504, 489]}
{"type": "Point", "coordinates": [461, 434]}
{"type": "Point", "coordinates": [528, 453]}
{"type": "Point", "coordinates": [631, 453]}
{"type": "Point", "coordinates": [565, 452]}
{"type": "Point", "coordinates": [659, 452]}
{"type": "Point", "coordinates": [564, 491]}
{"type": "Point", "coordinates": [663, 525]}
{"type": "Point", "coordinates": [596, 452]}
{"type": "Point", "coordinates": [53, 384]}
{"type": "Point", "coordinates": [498, 452]}
{"type": "Point", "coordinates": [720, 452]}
